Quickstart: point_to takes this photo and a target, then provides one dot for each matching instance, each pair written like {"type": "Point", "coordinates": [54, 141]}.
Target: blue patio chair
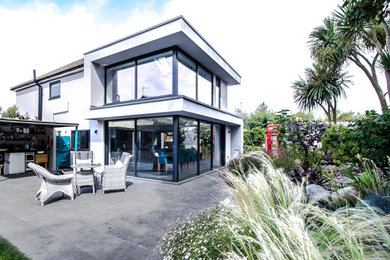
{"type": "Point", "coordinates": [182, 156]}
{"type": "Point", "coordinates": [163, 159]}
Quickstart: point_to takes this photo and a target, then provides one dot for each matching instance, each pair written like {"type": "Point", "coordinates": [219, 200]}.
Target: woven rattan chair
{"type": "Point", "coordinates": [51, 183]}
{"type": "Point", "coordinates": [114, 177]}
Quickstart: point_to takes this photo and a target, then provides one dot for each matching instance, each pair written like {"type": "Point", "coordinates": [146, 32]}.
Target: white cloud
{"type": "Point", "coordinates": [265, 41]}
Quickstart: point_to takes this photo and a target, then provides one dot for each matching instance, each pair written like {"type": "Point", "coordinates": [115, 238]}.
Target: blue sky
{"type": "Point", "coordinates": [264, 41]}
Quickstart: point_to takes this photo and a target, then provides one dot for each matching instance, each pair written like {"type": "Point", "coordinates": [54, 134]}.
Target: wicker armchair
{"type": "Point", "coordinates": [114, 177]}
{"type": "Point", "coordinates": [51, 183]}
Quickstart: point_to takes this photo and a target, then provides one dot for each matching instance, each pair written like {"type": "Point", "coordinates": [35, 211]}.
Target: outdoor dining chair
{"type": "Point", "coordinates": [83, 177]}
{"type": "Point", "coordinates": [51, 183]}
{"type": "Point", "coordinates": [114, 176]}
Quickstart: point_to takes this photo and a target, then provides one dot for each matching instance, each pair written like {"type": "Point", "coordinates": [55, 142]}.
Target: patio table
{"type": "Point", "coordinates": [84, 178]}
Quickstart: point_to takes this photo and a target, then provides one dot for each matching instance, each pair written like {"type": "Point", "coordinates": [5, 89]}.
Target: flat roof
{"type": "Point", "coordinates": [157, 26]}
{"type": "Point", "coordinates": [12, 121]}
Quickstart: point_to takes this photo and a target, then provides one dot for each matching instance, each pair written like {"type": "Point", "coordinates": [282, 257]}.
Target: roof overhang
{"type": "Point", "coordinates": [176, 32]}
{"type": "Point", "coordinates": [26, 123]}
{"type": "Point", "coordinates": [167, 106]}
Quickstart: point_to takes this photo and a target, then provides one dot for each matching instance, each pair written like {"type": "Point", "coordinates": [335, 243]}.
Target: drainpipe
{"type": "Point", "coordinates": [39, 96]}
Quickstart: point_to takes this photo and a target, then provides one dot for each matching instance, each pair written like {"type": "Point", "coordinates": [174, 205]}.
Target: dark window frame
{"type": "Point", "coordinates": [50, 90]}
{"type": "Point", "coordinates": [175, 52]}
{"type": "Point", "coordinates": [79, 148]}
{"type": "Point", "coordinates": [176, 119]}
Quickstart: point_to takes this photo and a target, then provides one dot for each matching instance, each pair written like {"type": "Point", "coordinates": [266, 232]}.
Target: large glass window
{"type": "Point", "coordinates": [188, 148]}
{"type": "Point", "coordinates": [204, 86]}
{"type": "Point", "coordinates": [154, 75]}
{"type": "Point", "coordinates": [186, 76]}
{"type": "Point", "coordinates": [205, 146]}
{"type": "Point", "coordinates": [218, 93]}
{"type": "Point", "coordinates": [120, 85]}
{"type": "Point", "coordinates": [121, 139]}
{"type": "Point", "coordinates": [155, 152]}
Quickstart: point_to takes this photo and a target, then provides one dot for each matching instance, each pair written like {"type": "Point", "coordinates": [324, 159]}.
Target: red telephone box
{"type": "Point", "coordinates": [273, 146]}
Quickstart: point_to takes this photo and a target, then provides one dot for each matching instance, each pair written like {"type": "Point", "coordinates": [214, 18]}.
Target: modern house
{"type": "Point", "coordinates": [160, 94]}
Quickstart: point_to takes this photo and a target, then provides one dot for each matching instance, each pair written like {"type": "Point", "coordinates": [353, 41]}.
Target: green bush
{"type": "Point", "coordinates": [370, 181]}
{"type": "Point", "coordinates": [254, 136]}
{"type": "Point", "coordinates": [285, 161]}
{"type": "Point", "coordinates": [368, 136]}
{"type": "Point", "coordinates": [200, 236]}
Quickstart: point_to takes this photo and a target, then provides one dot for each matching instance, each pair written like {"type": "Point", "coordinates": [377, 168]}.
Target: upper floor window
{"type": "Point", "coordinates": [217, 93]}
{"type": "Point", "coordinates": [55, 89]}
{"type": "Point", "coordinates": [120, 83]}
{"type": "Point", "coordinates": [204, 85]}
{"type": "Point", "coordinates": [154, 75]}
{"type": "Point", "coordinates": [186, 76]}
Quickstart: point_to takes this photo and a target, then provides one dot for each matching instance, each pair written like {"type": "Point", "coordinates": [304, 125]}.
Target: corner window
{"type": "Point", "coordinates": [83, 140]}
{"type": "Point", "coordinates": [218, 93]}
{"type": "Point", "coordinates": [204, 85]}
{"type": "Point", "coordinates": [154, 75]}
{"type": "Point", "coordinates": [186, 70]}
{"type": "Point", "coordinates": [55, 90]}
{"type": "Point", "coordinates": [120, 83]}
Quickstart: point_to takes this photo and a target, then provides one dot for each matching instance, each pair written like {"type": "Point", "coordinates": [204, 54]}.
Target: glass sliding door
{"type": "Point", "coordinates": [121, 139]}
{"type": "Point", "coordinates": [217, 146]}
{"type": "Point", "coordinates": [155, 148]}
{"type": "Point", "coordinates": [188, 148]}
{"type": "Point", "coordinates": [205, 147]}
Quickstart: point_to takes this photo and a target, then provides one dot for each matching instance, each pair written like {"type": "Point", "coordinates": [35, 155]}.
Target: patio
{"type": "Point", "coordinates": [117, 225]}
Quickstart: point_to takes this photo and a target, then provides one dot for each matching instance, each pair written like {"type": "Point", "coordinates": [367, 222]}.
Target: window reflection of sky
{"type": "Point", "coordinates": [155, 78]}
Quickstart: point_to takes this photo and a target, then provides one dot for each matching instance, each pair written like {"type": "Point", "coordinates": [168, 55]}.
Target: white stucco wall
{"type": "Point", "coordinates": [27, 101]}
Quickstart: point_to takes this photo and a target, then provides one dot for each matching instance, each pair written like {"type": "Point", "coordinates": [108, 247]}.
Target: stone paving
{"type": "Point", "coordinates": [116, 225]}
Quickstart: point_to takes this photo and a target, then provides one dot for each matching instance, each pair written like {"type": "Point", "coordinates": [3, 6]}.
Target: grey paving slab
{"type": "Point", "coordinates": [116, 225]}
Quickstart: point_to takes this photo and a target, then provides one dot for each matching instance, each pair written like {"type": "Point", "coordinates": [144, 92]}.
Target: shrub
{"type": "Point", "coordinates": [200, 236]}
{"type": "Point", "coordinates": [254, 136]}
{"type": "Point", "coordinates": [285, 161]}
{"type": "Point", "coordinates": [368, 136]}
{"type": "Point", "coordinates": [370, 181]}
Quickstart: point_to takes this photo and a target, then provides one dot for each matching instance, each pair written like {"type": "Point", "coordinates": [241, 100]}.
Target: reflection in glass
{"type": "Point", "coordinates": [155, 153]}
{"type": "Point", "coordinates": [205, 146]}
{"type": "Point", "coordinates": [154, 75]}
{"type": "Point", "coordinates": [186, 76]}
{"type": "Point", "coordinates": [120, 85]}
{"type": "Point", "coordinates": [204, 86]}
{"type": "Point", "coordinates": [218, 94]}
{"type": "Point", "coordinates": [217, 146]}
{"type": "Point", "coordinates": [188, 151]}
{"type": "Point", "coordinates": [121, 139]}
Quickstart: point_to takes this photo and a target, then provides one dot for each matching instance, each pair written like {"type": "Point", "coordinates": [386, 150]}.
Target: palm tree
{"type": "Point", "coordinates": [338, 42]}
{"type": "Point", "coordinates": [322, 88]}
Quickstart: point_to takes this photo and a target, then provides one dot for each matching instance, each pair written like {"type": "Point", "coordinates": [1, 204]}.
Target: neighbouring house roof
{"type": "Point", "coordinates": [69, 67]}
{"type": "Point", "coordinates": [26, 123]}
